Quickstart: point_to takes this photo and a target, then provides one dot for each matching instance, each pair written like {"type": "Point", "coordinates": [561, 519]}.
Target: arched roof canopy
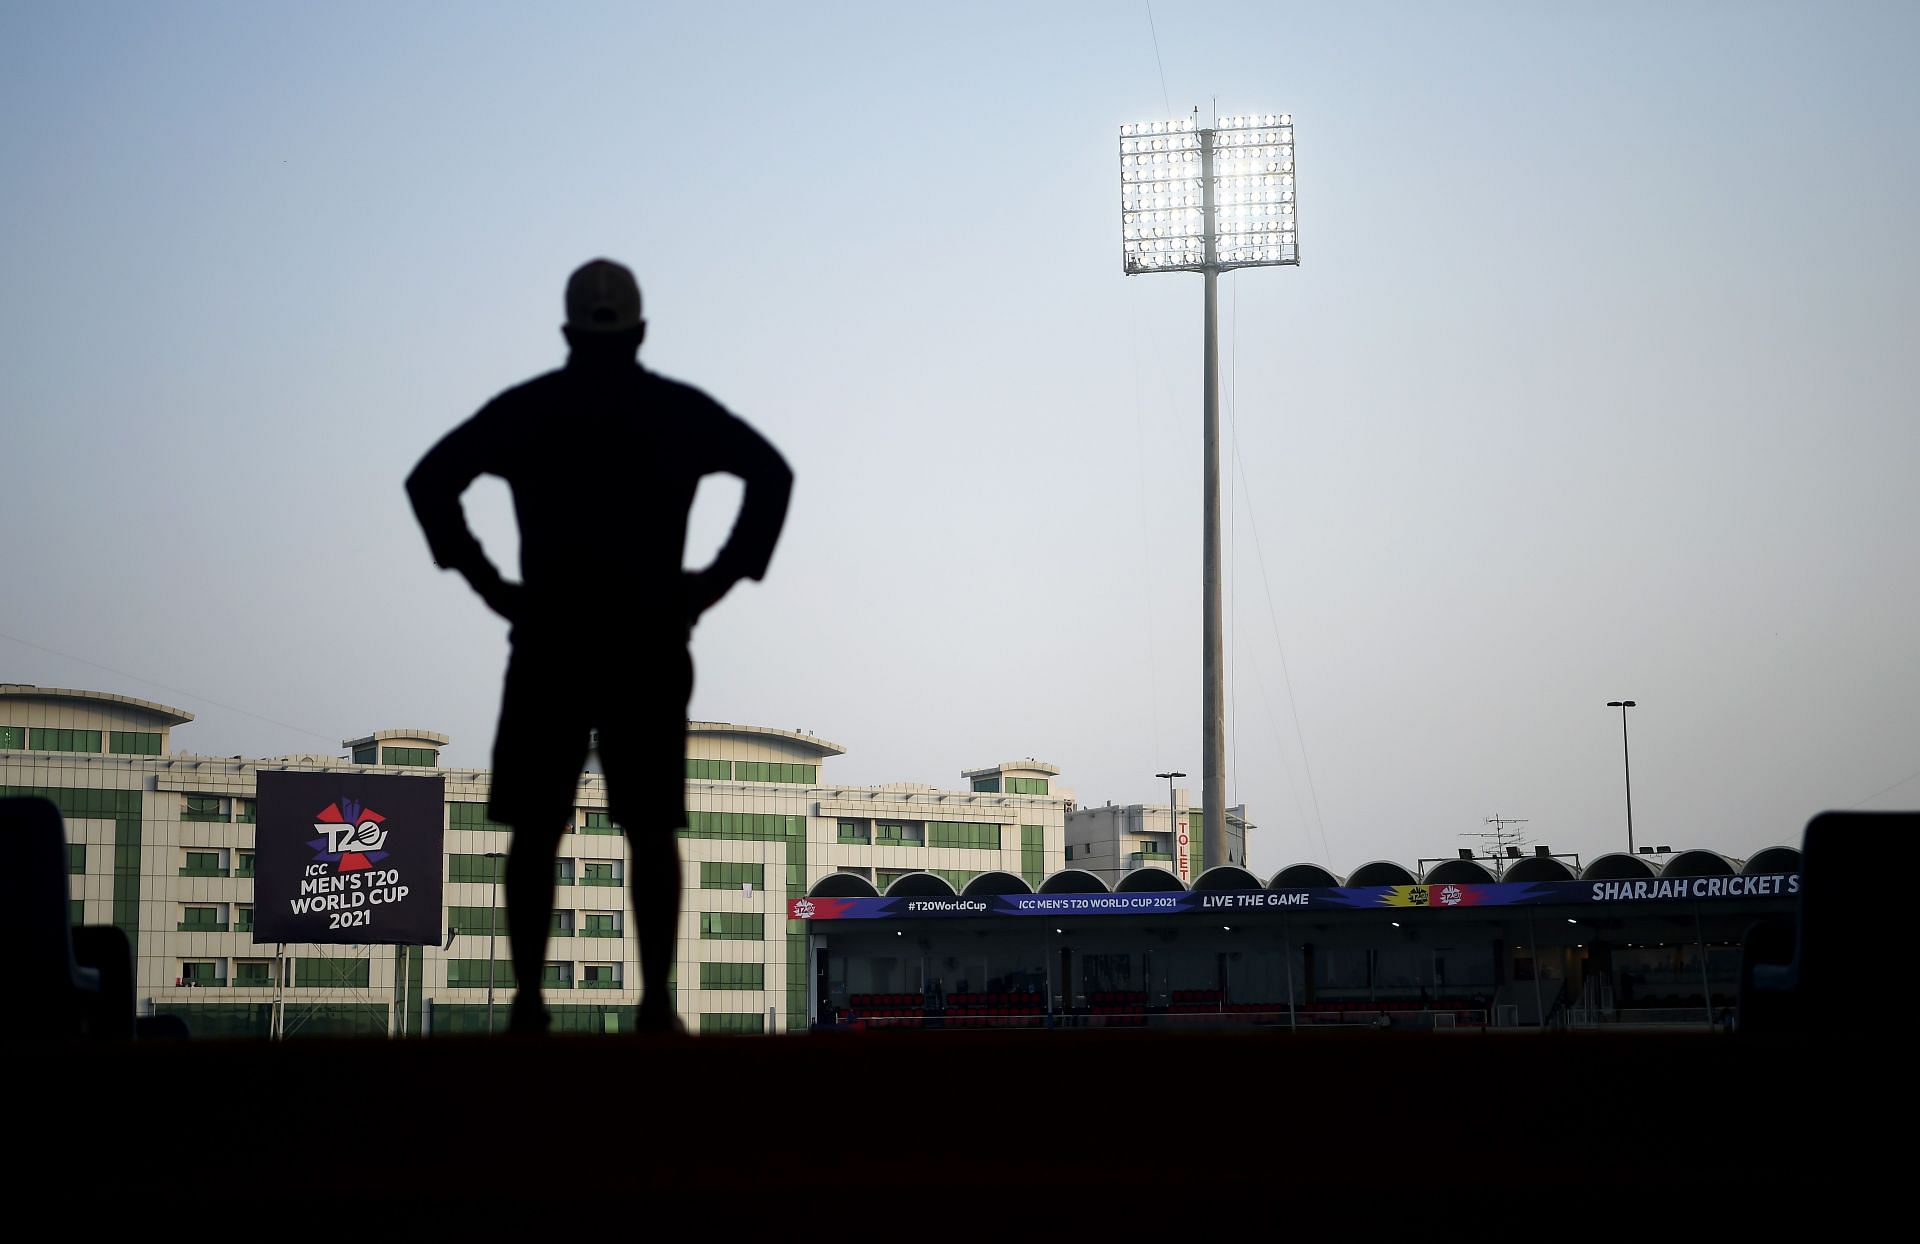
{"type": "Point", "coordinates": [1537, 868]}
{"type": "Point", "coordinates": [1380, 872]}
{"type": "Point", "coordinates": [1458, 872]}
{"type": "Point", "coordinates": [920, 885]}
{"type": "Point", "coordinates": [1618, 866]}
{"type": "Point", "coordinates": [1699, 864]}
{"type": "Point", "coordinates": [1148, 881]}
{"type": "Point", "coordinates": [1303, 876]}
{"type": "Point", "coordinates": [1073, 881]}
{"type": "Point", "coordinates": [843, 885]}
{"type": "Point", "coordinates": [996, 882]}
{"type": "Point", "coordinates": [1226, 877]}
{"type": "Point", "coordinates": [1773, 860]}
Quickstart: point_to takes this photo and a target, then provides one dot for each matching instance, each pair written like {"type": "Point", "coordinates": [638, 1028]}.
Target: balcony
{"type": "Point", "coordinates": [1145, 859]}
{"type": "Point", "coordinates": [595, 984]}
{"type": "Point", "coordinates": [606, 881]}
{"type": "Point", "coordinates": [593, 932]}
{"type": "Point", "coordinates": [204, 928]}
{"type": "Point", "coordinates": [202, 870]}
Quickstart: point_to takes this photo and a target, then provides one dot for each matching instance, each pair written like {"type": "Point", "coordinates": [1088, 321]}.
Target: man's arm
{"type": "Point", "coordinates": [763, 512]}
{"type": "Point", "coordinates": [435, 487]}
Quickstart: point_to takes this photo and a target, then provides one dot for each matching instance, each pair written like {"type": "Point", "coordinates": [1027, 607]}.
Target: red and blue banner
{"type": "Point", "coordinates": [1444, 895]}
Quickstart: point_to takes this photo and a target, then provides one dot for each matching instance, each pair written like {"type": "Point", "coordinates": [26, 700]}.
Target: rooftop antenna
{"type": "Point", "coordinates": [1503, 844]}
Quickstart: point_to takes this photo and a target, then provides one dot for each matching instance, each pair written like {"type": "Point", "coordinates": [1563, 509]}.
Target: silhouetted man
{"type": "Point", "coordinates": [603, 457]}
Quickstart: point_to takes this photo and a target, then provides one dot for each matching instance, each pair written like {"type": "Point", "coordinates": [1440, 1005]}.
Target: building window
{"type": "Point", "coordinates": [134, 742]}
{"type": "Point", "coordinates": [13, 738]}
{"type": "Point", "coordinates": [331, 973]}
{"type": "Point", "coordinates": [600, 976]}
{"type": "Point", "coordinates": [556, 975]}
{"type": "Point", "coordinates": [710, 770]}
{"type": "Point", "coordinates": [865, 874]}
{"type": "Point", "coordinates": [599, 872]}
{"type": "Point", "coordinates": [714, 1025]}
{"type": "Point", "coordinates": [727, 875]}
{"type": "Point", "coordinates": [480, 920]}
{"type": "Point", "coordinates": [243, 919]}
{"type": "Point", "coordinates": [855, 831]}
{"type": "Point", "coordinates": [562, 926]}
{"type": "Point", "coordinates": [600, 924]}
{"type": "Point", "coordinates": [243, 811]}
{"type": "Point", "coordinates": [955, 877]}
{"type": "Point", "coordinates": [252, 974]}
{"type": "Point", "coordinates": [887, 876]}
{"type": "Point", "coordinates": [732, 926]}
{"type": "Point", "coordinates": [752, 826]}
{"type": "Point", "coordinates": [987, 785]}
{"type": "Point", "coordinates": [76, 858]}
{"type": "Point", "coordinates": [195, 919]}
{"type": "Point", "coordinates": [773, 771]}
{"type": "Point", "coordinates": [45, 740]}
{"type": "Point", "coordinates": [563, 872]}
{"type": "Point", "coordinates": [1026, 786]}
{"type": "Point", "coordinates": [1033, 854]}
{"type": "Point", "coordinates": [732, 976]}
{"type": "Point", "coordinates": [472, 974]}
{"type": "Point", "coordinates": [243, 864]}
{"type": "Point", "coordinates": [201, 974]}
{"type": "Point", "coordinates": [203, 864]}
{"type": "Point", "coordinates": [964, 835]}
{"type": "Point", "coordinates": [898, 833]}
{"type": "Point", "coordinates": [76, 912]}
{"type": "Point", "coordinates": [417, 757]}
{"type": "Point", "coordinates": [471, 816]}
{"type": "Point", "coordinates": [366, 755]}
{"type": "Point", "coordinates": [599, 823]}
{"type": "Point", "coordinates": [475, 868]}
{"type": "Point", "coordinates": [1069, 853]}
{"type": "Point", "coordinates": [203, 808]}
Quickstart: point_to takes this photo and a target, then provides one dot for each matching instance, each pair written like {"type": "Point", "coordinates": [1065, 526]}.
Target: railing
{"type": "Point", "coordinates": [1262, 1016]}
{"type": "Point", "coordinates": [1628, 1018]}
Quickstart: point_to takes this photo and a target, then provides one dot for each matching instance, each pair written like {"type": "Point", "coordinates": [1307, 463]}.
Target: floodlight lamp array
{"type": "Point", "coordinates": [1163, 219]}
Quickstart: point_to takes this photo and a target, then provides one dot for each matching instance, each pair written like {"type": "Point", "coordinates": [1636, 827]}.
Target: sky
{"type": "Point", "coordinates": [1596, 381]}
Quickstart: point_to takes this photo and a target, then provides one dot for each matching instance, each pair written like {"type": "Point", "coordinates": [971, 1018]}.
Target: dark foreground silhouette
{"type": "Point", "coordinates": [603, 457]}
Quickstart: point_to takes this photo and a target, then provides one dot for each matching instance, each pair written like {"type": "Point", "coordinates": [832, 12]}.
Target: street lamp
{"type": "Point", "coordinates": [1173, 817]}
{"type": "Point", "coordinates": [1627, 758]}
{"type": "Point", "coordinates": [493, 928]}
{"type": "Point", "coordinates": [1209, 200]}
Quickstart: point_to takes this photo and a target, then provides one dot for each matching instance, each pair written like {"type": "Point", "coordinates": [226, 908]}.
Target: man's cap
{"type": "Point", "coordinates": [602, 297]}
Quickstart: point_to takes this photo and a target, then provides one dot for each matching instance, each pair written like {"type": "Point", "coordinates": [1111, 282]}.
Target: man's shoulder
{"type": "Point", "coordinates": [680, 394]}
{"type": "Point", "coordinates": [544, 385]}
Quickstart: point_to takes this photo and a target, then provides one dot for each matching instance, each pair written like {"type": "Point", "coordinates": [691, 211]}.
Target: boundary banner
{"type": "Point", "coordinates": [1344, 898]}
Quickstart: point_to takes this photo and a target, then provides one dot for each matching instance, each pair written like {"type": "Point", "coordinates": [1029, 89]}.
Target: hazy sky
{"type": "Point", "coordinates": [1597, 380]}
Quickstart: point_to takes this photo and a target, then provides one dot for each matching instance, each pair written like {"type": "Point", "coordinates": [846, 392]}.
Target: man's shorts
{"type": "Point", "coordinates": [553, 703]}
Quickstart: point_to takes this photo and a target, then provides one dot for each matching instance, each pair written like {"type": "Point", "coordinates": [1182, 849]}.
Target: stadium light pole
{"type": "Point", "coordinates": [1626, 758]}
{"type": "Point", "coordinates": [1173, 815]}
{"type": "Point", "coordinates": [493, 929]}
{"type": "Point", "coordinates": [1209, 200]}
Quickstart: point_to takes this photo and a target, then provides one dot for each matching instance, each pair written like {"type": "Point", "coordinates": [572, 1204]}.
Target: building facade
{"type": "Point", "coordinates": [161, 845]}
{"type": "Point", "coordinates": [1114, 840]}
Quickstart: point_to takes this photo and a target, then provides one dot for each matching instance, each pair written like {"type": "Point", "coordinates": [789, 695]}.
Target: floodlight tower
{"type": "Point", "coordinates": [1209, 200]}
